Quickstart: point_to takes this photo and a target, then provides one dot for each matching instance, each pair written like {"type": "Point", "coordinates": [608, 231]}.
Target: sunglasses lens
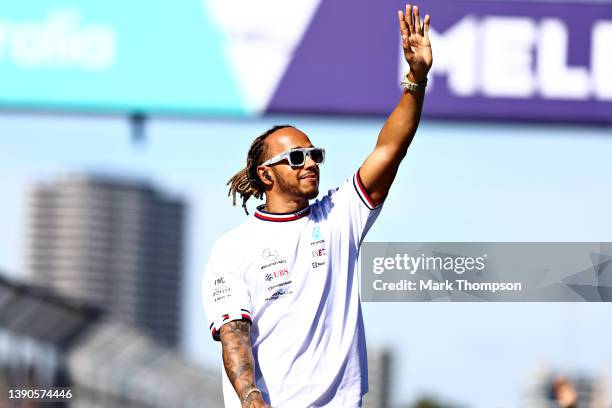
{"type": "Point", "coordinates": [296, 158]}
{"type": "Point", "coordinates": [317, 155]}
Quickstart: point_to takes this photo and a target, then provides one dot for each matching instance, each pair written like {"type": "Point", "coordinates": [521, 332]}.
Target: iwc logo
{"type": "Point", "coordinates": [269, 254]}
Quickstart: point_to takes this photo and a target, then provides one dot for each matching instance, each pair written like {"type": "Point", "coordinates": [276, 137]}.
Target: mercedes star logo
{"type": "Point", "coordinates": [269, 254]}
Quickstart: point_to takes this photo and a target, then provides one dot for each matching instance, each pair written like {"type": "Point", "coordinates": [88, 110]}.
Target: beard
{"type": "Point", "coordinates": [294, 190]}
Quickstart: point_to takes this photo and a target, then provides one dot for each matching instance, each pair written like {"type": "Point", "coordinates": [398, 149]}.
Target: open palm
{"type": "Point", "coordinates": [415, 41]}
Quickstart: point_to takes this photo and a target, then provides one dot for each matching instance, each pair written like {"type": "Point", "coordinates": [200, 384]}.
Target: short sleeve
{"type": "Point", "coordinates": [225, 295]}
{"type": "Point", "coordinates": [353, 206]}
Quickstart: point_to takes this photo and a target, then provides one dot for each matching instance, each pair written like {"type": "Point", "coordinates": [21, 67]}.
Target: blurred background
{"type": "Point", "coordinates": [121, 122]}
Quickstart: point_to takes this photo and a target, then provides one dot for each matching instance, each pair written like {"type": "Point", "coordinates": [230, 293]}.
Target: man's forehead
{"type": "Point", "coordinates": [285, 139]}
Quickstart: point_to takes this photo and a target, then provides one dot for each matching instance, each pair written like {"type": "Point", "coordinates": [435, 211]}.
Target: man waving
{"type": "Point", "coordinates": [280, 290]}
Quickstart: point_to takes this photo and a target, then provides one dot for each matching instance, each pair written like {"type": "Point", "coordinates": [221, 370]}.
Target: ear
{"type": "Point", "coordinates": [265, 175]}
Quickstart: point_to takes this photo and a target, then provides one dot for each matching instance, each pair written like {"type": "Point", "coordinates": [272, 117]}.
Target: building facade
{"type": "Point", "coordinates": [115, 244]}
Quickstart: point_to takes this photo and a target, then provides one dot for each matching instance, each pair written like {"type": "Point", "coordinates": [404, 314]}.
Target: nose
{"type": "Point", "coordinates": [309, 163]}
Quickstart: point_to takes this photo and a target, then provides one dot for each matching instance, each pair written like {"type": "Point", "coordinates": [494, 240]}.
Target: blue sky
{"type": "Point", "coordinates": [459, 182]}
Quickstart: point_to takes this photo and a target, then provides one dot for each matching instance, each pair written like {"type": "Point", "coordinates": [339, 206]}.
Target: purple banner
{"type": "Point", "coordinates": [492, 60]}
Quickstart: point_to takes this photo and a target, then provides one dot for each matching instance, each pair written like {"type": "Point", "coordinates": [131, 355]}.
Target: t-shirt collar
{"type": "Point", "coordinates": [280, 217]}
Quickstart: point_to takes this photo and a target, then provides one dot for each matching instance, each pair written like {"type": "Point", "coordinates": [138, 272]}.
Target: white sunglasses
{"type": "Point", "coordinates": [297, 156]}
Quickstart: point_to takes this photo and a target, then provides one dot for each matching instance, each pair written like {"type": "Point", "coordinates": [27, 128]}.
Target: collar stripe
{"type": "Point", "coordinates": [281, 217]}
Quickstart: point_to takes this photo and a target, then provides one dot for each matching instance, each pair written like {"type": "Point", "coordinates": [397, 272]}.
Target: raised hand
{"type": "Point", "coordinates": [415, 41]}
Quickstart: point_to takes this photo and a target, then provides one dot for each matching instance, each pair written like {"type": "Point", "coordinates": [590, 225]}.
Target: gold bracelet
{"type": "Point", "coordinates": [249, 392]}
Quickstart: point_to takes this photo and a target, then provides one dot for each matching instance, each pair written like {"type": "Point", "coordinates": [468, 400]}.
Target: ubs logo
{"type": "Point", "coordinates": [269, 254]}
{"type": "Point", "coordinates": [281, 272]}
{"type": "Point", "coordinates": [276, 274]}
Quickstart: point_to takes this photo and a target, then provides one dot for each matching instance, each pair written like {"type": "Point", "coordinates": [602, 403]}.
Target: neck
{"type": "Point", "coordinates": [277, 204]}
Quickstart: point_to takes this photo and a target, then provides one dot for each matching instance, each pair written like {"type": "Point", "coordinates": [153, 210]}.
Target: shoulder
{"type": "Point", "coordinates": [334, 193]}
{"type": "Point", "coordinates": [326, 204]}
{"type": "Point", "coordinates": [235, 237]}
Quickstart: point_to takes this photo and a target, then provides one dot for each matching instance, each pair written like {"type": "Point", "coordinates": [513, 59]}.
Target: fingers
{"type": "Point", "coordinates": [403, 28]}
{"type": "Point", "coordinates": [417, 20]}
{"type": "Point", "coordinates": [409, 20]}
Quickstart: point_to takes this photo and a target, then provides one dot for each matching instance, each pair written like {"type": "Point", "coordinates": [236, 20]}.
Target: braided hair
{"type": "Point", "coordinates": [246, 182]}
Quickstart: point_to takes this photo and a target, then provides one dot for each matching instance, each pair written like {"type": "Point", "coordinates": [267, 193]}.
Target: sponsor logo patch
{"type": "Point", "coordinates": [282, 292]}
{"type": "Point", "coordinates": [317, 253]}
{"type": "Point", "coordinates": [277, 262]}
{"type": "Point", "coordinates": [316, 233]}
{"type": "Point", "coordinates": [276, 274]}
{"type": "Point", "coordinates": [269, 254]}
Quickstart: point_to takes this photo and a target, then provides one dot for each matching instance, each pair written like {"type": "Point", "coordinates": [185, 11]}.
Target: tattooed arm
{"type": "Point", "coordinates": [239, 363]}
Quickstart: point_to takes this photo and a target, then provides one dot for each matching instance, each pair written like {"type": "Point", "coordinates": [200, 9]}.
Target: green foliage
{"type": "Point", "coordinates": [428, 403]}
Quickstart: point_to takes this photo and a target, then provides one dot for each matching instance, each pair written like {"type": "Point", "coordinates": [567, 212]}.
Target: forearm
{"type": "Point", "coordinates": [238, 356]}
{"type": "Point", "coordinates": [400, 127]}
{"type": "Point", "coordinates": [380, 167]}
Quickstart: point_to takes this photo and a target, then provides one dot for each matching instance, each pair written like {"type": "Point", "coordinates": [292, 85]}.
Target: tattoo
{"type": "Point", "coordinates": [238, 355]}
{"type": "Point", "coordinates": [249, 400]}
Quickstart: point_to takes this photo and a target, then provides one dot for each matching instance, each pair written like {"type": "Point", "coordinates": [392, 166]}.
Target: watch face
{"type": "Point", "coordinates": [409, 86]}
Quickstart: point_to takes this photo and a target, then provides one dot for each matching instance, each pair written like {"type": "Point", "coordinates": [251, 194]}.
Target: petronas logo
{"type": "Point", "coordinates": [316, 234]}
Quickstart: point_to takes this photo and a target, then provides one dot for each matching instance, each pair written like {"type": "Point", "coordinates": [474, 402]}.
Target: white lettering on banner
{"type": "Point", "coordinates": [558, 81]}
{"type": "Point", "coordinates": [601, 59]}
{"type": "Point", "coordinates": [61, 41]}
{"type": "Point", "coordinates": [507, 56]}
{"type": "Point", "coordinates": [519, 57]}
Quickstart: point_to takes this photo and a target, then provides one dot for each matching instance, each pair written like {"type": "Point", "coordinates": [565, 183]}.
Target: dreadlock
{"type": "Point", "coordinates": [247, 182]}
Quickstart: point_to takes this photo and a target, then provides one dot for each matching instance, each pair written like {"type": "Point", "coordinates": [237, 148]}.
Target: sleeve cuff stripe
{"type": "Point", "coordinates": [363, 193]}
{"type": "Point", "coordinates": [225, 318]}
{"type": "Point", "coordinates": [361, 197]}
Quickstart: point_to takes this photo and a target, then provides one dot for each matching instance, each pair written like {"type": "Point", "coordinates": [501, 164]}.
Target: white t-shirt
{"type": "Point", "coordinates": [295, 277]}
